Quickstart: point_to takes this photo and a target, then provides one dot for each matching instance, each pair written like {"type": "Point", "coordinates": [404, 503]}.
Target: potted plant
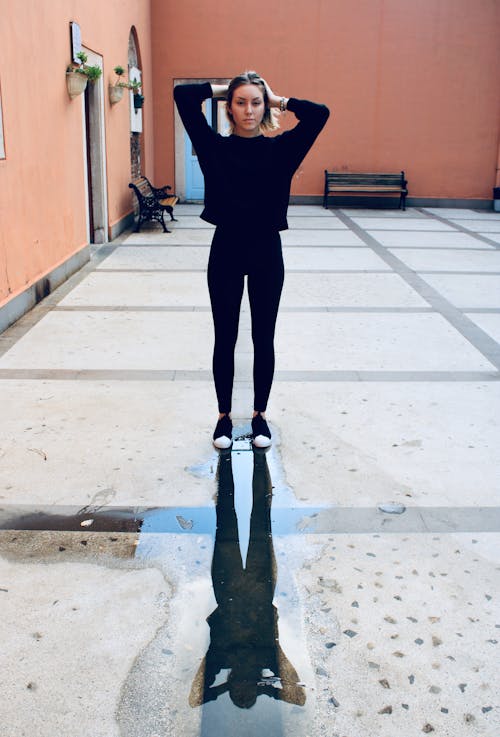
{"type": "Point", "coordinates": [78, 75]}
{"type": "Point", "coordinates": [135, 86]}
{"type": "Point", "coordinates": [76, 79]}
{"type": "Point", "coordinates": [116, 89]}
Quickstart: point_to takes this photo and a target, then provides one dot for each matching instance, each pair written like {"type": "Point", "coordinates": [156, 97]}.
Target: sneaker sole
{"type": "Point", "coordinates": [222, 443]}
{"type": "Point", "coordinates": [261, 441]}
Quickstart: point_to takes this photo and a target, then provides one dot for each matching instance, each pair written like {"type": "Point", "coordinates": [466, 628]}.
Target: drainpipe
{"type": "Point", "coordinates": [496, 188]}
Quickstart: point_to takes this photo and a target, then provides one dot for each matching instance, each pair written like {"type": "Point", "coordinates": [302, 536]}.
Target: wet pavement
{"type": "Point", "coordinates": [344, 583]}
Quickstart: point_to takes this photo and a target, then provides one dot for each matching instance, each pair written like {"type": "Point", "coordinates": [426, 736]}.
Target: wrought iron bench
{"type": "Point", "coordinates": [154, 202]}
{"type": "Point", "coordinates": [342, 182]}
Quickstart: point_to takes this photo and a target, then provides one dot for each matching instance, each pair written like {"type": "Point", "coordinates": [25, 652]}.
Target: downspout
{"type": "Point", "coordinates": [496, 189]}
{"type": "Point", "coordinates": [497, 179]}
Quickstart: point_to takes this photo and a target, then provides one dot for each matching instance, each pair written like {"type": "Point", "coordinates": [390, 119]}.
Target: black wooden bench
{"type": "Point", "coordinates": [337, 182]}
{"type": "Point", "coordinates": [154, 202]}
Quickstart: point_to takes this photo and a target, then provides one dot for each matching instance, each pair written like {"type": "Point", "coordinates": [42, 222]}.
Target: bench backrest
{"type": "Point", "coordinates": [367, 179]}
{"type": "Point", "coordinates": [142, 189]}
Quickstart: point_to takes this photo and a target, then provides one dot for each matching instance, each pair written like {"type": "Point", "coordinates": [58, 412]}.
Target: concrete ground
{"type": "Point", "coordinates": [386, 524]}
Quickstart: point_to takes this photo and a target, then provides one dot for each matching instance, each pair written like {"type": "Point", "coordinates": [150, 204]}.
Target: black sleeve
{"type": "Point", "coordinates": [189, 98]}
{"type": "Point", "coordinates": [312, 118]}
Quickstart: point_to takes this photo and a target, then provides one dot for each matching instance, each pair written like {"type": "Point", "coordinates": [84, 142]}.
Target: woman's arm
{"type": "Point", "coordinates": [312, 117]}
{"type": "Point", "coordinates": [189, 99]}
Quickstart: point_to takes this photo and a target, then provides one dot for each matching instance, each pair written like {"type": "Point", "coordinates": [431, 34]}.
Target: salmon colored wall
{"type": "Point", "coordinates": [411, 85]}
{"type": "Point", "coordinates": [42, 188]}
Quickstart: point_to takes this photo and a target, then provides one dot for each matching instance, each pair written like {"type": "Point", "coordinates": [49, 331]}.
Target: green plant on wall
{"type": "Point", "coordinates": [116, 89]}
{"type": "Point", "coordinates": [78, 74]}
{"type": "Point", "coordinates": [119, 71]}
{"type": "Point", "coordinates": [91, 72]}
{"type": "Point", "coordinates": [135, 85]}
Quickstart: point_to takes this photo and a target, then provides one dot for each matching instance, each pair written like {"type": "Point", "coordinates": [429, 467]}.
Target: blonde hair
{"type": "Point", "coordinates": [269, 121]}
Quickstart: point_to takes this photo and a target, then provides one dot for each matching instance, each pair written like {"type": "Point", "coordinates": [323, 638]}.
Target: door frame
{"type": "Point", "coordinates": [97, 199]}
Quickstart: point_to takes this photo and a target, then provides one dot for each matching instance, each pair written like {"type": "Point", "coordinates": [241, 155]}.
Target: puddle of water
{"type": "Point", "coordinates": [246, 683]}
{"type": "Point", "coordinates": [70, 519]}
{"type": "Point", "coordinates": [238, 663]}
{"type": "Point", "coordinates": [230, 658]}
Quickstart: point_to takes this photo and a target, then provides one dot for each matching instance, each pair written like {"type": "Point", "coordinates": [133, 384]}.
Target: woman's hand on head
{"type": "Point", "coordinates": [270, 94]}
{"type": "Point", "coordinates": [274, 100]}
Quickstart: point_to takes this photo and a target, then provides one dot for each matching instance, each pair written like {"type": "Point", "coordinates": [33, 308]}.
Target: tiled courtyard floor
{"type": "Point", "coordinates": [386, 393]}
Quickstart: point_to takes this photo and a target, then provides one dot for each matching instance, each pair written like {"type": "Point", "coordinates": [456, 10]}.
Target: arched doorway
{"type": "Point", "coordinates": [134, 72]}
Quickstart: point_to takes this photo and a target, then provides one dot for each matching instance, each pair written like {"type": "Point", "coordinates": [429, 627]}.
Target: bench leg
{"type": "Point", "coordinates": [162, 221]}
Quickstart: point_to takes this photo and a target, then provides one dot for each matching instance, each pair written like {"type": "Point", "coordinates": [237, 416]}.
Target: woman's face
{"type": "Point", "coordinates": [247, 108]}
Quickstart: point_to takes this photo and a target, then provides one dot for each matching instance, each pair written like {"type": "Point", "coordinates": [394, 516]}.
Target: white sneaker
{"type": "Point", "coordinates": [222, 438]}
{"type": "Point", "coordinates": [261, 433]}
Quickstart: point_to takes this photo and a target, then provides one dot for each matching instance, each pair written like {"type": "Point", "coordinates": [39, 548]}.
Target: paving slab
{"type": "Point", "coordinates": [61, 623]}
{"type": "Point", "coordinates": [460, 213]}
{"type": "Point", "coordinates": [423, 239]}
{"type": "Point", "coordinates": [468, 290]}
{"type": "Point", "coordinates": [347, 290]}
{"type": "Point", "coordinates": [300, 223]}
{"type": "Point", "coordinates": [410, 212]}
{"type": "Point", "coordinates": [414, 624]}
{"type": "Point", "coordinates": [313, 258]}
{"type": "Point", "coordinates": [188, 237]}
{"type": "Point", "coordinates": [446, 260]}
{"type": "Point", "coordinates": [83, 442]}
{"type": "Point", "coordinates": [186, 209]}
{"type": "Point", "coordinates": [388, 342]}
{"type": "Point", "coordinates": [417, 224]}
{"type": "Point", "coordinates": [483, 225]}
{"type": "Point", "coordinates": [175, 289]}
{"type": "Point", "coordinates": [309, 210]}
{"type": "Point", "coordinates": [417, 443]}
{"type": "Point", "coordinates": [303, 237]}
{"type": "Point", "coordinates": [121, 340]}
{"type": "Point", "coordinates": [136, 258]}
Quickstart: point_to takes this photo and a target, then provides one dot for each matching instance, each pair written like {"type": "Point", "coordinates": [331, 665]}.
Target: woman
{"type": "Point", "coordinates": [247, 187]}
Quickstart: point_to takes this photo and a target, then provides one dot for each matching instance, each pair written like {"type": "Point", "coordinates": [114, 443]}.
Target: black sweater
{"type": "Point", "coordinates": [247, 179]}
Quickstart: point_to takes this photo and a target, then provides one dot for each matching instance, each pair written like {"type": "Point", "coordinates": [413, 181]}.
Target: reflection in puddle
{"type": "Point", "coordinates": [244, 660]}
{"type": "Point", "coordinates": [215, 666]}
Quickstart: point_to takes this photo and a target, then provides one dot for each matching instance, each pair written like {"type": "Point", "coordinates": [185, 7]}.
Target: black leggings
{"type": "Point", "coordinates": [233, 255]}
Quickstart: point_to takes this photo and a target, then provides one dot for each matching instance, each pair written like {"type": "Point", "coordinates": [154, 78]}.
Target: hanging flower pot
{"type": "Point", "coordinates": [115, 93]}
{"type": "Point", "coordinates": [76, 83]}
{"type": "Point", "coordinates": [138, 100]}
{"type": "Point", "coordinates": [116, 89]}
{"type": "Point", "coordinates": [79, 74]}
